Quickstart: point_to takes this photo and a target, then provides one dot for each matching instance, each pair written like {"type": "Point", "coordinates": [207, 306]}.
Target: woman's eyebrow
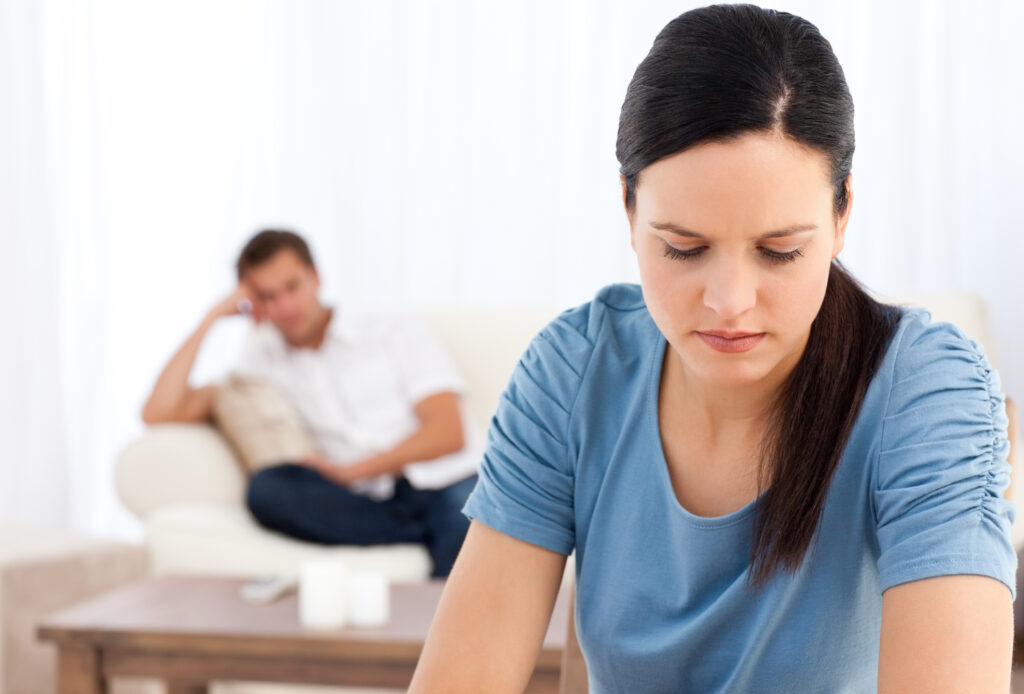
{"type": "Point", "coordinates": [787, 231]}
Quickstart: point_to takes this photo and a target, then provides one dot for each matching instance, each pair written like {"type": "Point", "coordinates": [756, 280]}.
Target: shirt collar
{"type": "Point", "coordinates": [341, 325]}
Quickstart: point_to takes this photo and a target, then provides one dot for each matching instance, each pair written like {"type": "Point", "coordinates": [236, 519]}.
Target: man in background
{"type": "Point", "coordinates": [378, 396]}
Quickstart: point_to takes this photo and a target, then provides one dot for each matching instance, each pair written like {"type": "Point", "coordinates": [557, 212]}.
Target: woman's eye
{"type": "Point", "coordinates": [770, 255]}
{"type": "Point", "coordinates": [679, 254]}
{"type": "Point", "coordinates": [780, 257]}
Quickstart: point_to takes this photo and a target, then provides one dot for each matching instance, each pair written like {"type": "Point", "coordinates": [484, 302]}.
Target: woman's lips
{"type": "Point", "coordinates": [723, 342]}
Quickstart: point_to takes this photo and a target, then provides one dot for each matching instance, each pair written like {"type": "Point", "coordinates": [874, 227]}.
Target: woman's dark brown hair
{"type": "Point", "coordinates": [715, 74]}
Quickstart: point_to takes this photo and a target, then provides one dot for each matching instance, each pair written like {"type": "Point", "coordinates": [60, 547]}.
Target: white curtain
{"type": "Point", "coordinates": [451, 151]}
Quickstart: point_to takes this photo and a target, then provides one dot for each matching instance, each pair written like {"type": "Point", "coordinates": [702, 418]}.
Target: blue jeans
{"type": "Point", "coordinates": [297, 501]}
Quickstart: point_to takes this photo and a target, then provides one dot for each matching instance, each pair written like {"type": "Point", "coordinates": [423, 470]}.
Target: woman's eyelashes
{"type": "Point", "coordinates": [679, 254]}
{"type": "Point", "coordinates": [766, 253]}
{"type": "Point", "coordinates": [779, 256]}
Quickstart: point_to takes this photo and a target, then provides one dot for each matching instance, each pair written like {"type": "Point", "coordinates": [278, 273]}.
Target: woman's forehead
{"type": "Point", "coordinates": [758, 182]}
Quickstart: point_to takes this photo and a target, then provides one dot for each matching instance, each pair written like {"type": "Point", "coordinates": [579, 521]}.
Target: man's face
{"type": "Point", "coordinates": [284, 291]}
{"type": "Point", "coordinates": [736, 239]}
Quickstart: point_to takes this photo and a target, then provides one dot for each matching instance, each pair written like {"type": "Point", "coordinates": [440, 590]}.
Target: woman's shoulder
{"type": "Point", "coordinates": [565, 347]}
{"type": "Point", "coordinates": [940, 469]}
{"type": "Point", "coordinates": [920, 345]}
{"type": "Point", "coordinates": [616, 308]}
{"type": "Point", "coordinates": [935, 375]}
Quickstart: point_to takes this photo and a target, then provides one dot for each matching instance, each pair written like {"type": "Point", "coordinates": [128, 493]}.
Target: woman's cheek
{"type": "Point", "coordinates": [802, 295]}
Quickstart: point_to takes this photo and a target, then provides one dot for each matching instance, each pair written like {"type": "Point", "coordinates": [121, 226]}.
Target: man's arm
{"type": "Point", "coordinates": [440, 433]}
{"type": "Point", "coordinates": [172, 399]}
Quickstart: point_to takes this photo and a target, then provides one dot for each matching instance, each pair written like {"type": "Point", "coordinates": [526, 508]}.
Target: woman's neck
{"type": "Point", "coordinates": [723, 412]}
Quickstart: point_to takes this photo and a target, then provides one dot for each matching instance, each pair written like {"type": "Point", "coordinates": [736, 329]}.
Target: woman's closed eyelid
{"type": "Point", "coordinates": [770, 254]}
{"type": "Point", "coordinates": [772, 249]}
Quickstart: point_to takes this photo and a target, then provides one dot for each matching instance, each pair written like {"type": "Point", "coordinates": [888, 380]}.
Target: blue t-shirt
{"type": "Point", "coordinates": [574, 461]}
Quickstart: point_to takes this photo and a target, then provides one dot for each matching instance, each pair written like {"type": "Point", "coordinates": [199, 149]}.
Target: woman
{"type": "Point", "coordinates": [772, 482]}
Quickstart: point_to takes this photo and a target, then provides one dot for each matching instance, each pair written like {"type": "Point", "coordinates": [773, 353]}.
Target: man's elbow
{"type": "Point", "coordinates": [449, 438]}
{"type": "Point", "coordinates": [152, 414]}
{"type": "Point", "coordinates": [149, 415]}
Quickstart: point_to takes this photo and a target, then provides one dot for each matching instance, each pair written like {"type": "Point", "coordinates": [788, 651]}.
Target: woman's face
{"type": "Point", "coordinates": [734, 242]}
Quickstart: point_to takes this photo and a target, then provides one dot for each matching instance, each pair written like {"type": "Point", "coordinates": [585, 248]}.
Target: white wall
{"type": "Point", "coordinates": [447, 151]}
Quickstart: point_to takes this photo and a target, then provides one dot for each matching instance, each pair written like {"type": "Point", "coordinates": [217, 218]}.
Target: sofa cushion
{"type": "Point", "coordinates": [216, 539]}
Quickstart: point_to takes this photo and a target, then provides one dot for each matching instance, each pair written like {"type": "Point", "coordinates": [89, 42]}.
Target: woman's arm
{"type": "Point", "coordinates": [946, 634]}
{"type": "Point", "coordinates": [949, 633]}
{"type": "Point", "coordinates": [946, 559]}
{"type": "Point", "coordinates": [493, 614]}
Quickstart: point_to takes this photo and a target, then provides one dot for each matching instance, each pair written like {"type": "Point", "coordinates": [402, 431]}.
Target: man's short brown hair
{"type": "Point", "coordinates": [266, 244]}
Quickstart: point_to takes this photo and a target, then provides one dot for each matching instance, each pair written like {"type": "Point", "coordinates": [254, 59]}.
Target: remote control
{"type": "Point", "coordinates": [267, 589]}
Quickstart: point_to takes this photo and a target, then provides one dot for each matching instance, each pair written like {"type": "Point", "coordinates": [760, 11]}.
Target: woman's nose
{"type": "Point", "coordinates": [730, 290]}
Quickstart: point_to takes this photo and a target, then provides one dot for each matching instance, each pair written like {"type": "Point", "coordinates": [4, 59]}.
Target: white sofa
{"type": "Point", "coordinates": [185, 484]}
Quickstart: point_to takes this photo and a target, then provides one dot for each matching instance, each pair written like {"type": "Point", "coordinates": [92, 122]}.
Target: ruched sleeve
{"type": "Point", "coordinates": [526, 480]}
{"type": "Point", "coordinates": [941, 468]}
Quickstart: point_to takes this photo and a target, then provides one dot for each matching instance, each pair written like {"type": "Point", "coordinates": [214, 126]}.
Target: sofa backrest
{"type": "Point", "coordinates": [485, 344]}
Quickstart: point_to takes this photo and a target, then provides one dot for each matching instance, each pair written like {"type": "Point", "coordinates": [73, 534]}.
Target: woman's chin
{"type": "Point", "coordinates": [727, 370]}
{"type": "Point", "coordinates": [734, 377]}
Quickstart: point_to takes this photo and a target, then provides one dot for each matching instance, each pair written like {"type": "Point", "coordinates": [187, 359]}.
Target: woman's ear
{"type": "Point", "coordinates": [844, 218]}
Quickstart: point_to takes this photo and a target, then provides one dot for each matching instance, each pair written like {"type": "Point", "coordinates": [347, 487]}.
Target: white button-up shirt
{"type": "Point", "coordinates": [356, 391]}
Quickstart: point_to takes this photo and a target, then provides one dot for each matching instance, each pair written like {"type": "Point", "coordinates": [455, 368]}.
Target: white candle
{"type": "Point", "coordinates": [323, 594]}
{"type": "Point", "coordinates": [370, 598]}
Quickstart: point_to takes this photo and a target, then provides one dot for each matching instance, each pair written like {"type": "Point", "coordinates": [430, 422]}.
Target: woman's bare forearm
{"type": "Point", "coordinates": [490, 624]}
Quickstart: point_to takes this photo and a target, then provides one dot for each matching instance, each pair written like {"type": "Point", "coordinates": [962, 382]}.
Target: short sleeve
{"type": "Point", "coordinates": [942, 468]}
{"type": "Point", "coordinates": [526, 478]}
{"type": "Point", "coordinates": [423, 365]}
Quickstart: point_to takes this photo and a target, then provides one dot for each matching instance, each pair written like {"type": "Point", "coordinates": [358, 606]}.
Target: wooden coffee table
{"type": "Point", "coordinates": [190, 631]}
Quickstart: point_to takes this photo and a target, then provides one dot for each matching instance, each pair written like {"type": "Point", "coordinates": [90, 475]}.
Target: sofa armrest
{"type": "Point", "coordinates": [176, 463]}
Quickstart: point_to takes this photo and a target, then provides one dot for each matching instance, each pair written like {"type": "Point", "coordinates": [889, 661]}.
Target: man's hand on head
{"type": "Point", "coordinates": [243, 300]}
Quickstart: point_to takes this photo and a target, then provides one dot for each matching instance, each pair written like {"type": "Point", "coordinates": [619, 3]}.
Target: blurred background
{"type": "Point", "coordinates": [446, 152]}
